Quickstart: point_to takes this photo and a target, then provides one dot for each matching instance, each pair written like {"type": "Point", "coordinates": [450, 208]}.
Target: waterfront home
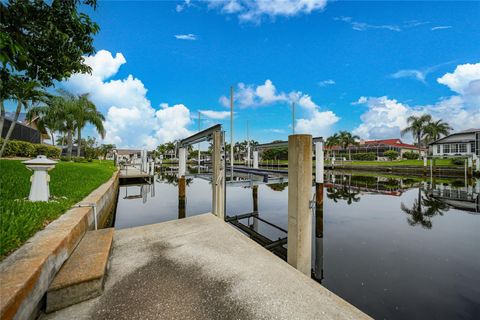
{"type": "Point", "coordinates": [23, 131]}
{"type": "Point", "coordinates": [462, 143]}
{"type": "Point", "coordinates": [128, 154]}
{"type": "Point", "coordinates": [378, 147]}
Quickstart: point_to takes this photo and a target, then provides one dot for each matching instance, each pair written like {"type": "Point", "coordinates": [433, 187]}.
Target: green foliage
{"type": "Point", "coordinates": [16, 148]}
{"type": "Point", "coordinates": [367, 156]}
{"type": "Point", "coordinates": [458, 161]}
{"type": "Point", "coordinates": [69, 183]}
{"type": "Point", "coordinates": [45, 40]}
{"type": "Point", "coordinates": [410, 155]}
{"type": "Point", "coordinates": [65, 158]}
{"type": "Point", "coordinates": [391, 154]}
{"type": "Point", "coordinates": [275, 154]}
{"type": "Point", "coordinates": [25, 149]}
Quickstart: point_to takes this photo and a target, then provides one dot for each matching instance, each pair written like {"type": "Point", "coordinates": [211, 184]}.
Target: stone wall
{"type": "Point", "coordinates": [26, 274]}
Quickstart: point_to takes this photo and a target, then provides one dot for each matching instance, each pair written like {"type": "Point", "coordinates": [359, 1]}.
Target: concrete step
{"type": "Point", "coordinates": [82, 275]}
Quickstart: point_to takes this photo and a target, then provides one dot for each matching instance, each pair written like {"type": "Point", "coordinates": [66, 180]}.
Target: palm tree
{"type": "Point", "coordinates": [346, 140]}
{"type": "Point", "coordinates": [106, 148]}
{"type": "Point", "coordinates": [417, 216]}
{"type": "Point", "coordinates": [416, 126]}
{"type": "Point", "coordinates": [26, 94]}
{"type": "Point", "coordinates": [434, 130]}
{"type": "Point", "coordinates": [86, 112]}
{"type": "Point", "coordinates": [332, 141]}
{"type": "Point", "coordinates": [48, 118]}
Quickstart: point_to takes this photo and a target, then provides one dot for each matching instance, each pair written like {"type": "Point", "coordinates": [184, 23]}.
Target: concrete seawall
{"type": "Point", "coordinates": [26, 274]}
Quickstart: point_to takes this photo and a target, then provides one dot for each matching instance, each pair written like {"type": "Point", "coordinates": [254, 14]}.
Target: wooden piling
{"type": "Point", "coordinates": [255, 198]}
{"type": "Point", "coordinates": [218, 176]}
{"type": "Point", "coordinates": [299, 195]}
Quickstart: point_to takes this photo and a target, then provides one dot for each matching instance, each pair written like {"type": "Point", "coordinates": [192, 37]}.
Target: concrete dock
{"type": "Point", "coordinates": [133, 172]}
{"type": "Point", "coordinates": [203, 268]}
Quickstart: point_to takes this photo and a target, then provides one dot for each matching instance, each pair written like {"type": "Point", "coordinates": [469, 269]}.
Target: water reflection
{"type": "Point", "coordinates": [396, 247]}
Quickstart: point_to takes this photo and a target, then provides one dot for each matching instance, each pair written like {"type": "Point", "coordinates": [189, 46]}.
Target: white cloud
{"type": "Point", "coordinates": [363, 26]}
{"type": "Point", "coordinates": [313, 121]}
{"type": "Point", "coordinates": [182, 6]}
{"type": "Point", "coordinates": [319, 124]}
{"type": "Point", "coordinates": [250, 96]}
{"type": "Point", "coordinates": [327, 82]}
{"type": "Point", "coordinates": [255, 11]}
{"type": "Point", "coordinates": [462, 111]}
{"type": "Point", "coordinates": [131, 121]}
{"type": "Point", "coordinates": [460, 80]}
{"type": "Point", "coordinates": [189, 36]}
{"type": "Point", "coordinates": [441, 28]}
{"type": "Point", "coordinates": [411, 73]}
{"type": "Point", "coordinates": [273, 130]}
{"type": "Point", "coordinates": [217, 115]}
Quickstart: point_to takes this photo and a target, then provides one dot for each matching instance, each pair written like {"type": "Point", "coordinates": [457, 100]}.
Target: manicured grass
{"type": "Point", "coordinates": [69, 183]}
{"type": "Point", "coordinates": [438, 162]}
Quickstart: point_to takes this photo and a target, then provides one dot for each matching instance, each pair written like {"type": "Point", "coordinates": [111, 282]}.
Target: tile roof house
{"type": "Point", "coordinates": [378, 147]}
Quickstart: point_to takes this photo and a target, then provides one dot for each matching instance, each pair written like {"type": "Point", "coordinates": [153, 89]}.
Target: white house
{"type": "Point", "coordinates": [463, 143]}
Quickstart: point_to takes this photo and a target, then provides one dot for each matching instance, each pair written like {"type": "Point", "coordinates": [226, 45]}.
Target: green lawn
{"type": "Point", "coordinates": [438, 162]}
{"type": "Point", "coordinates": [69, 183]}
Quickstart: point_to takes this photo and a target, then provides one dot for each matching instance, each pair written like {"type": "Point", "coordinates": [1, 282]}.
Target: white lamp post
{"type": "Point", "coordinates": [40, 166]}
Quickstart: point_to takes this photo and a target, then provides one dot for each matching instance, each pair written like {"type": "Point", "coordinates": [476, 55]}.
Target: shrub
{"type": "Point", "coordinates": [368, 156]}
{"type": "Point", "coordinates": [391, 154]}
{"type": "Point", "coordinates": [62, 158]}
{"type": "Point", "coordinates": [41, 149]}
{"type": "Point", "coordinates": [53, 152]}
{"type": "Point", "coordinates": [79, 159]}
{"type": "Point", "coordinates": [458, 161]}
{"type": "Point", "coordinates": [16, 148]}
{"type": "Point", "coordinates": [25, 149]}
{"type": "Point", "coordinates": [410, 155]}
{"type": "Point", "coordinates": [11, 149]}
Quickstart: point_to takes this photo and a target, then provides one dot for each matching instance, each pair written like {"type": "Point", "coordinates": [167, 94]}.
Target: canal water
{"type": "Point", "coordinates": [395, 247]}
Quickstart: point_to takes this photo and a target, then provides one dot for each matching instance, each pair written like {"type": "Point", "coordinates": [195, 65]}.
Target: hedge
{"type": "Point", "coordinates": [16, 148]}
{"type": "Point", "coordinates": [391, 154]}
{"type": "Point", "coordinates": [410, 155]}
{"type": "Point", "coordinates": [368, 156]}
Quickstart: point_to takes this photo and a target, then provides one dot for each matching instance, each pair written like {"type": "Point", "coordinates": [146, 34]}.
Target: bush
{"type": "Point", "coordinates": [41, 149]}
{"type": "Point", "coordinates": [391, 154]}
{"type": "Point", "coordinates": [458, 161]}
{"type": "Point", "coordinates": [368, 156]}
{"type": "Point", "coordinates": [53, 152]}
{"type": "Point", "coordinates": [410, 155]}
{"type": "Point", "coordinates": [64, 158]}
{"type": "Point", "coordinates": [25, 149]}
{"type": "Point", "coordinates": [16, 148]}
{"type": "Point", "coordinates": [79, 159]}
{"type": "Point", "coordinates": [11, 149]}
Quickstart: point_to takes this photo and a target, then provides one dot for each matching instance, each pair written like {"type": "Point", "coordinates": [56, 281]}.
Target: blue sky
{"type": "Point", "coordinates": [357, 66]}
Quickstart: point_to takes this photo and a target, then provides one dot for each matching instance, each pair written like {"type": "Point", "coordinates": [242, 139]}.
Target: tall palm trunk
{"type": "Point", "coordinates": [79, 143]}
{"type": "Point", "coordinates": [2, 116]}
{"type": "Point", "coordinates": [52, 137]}
{"type": "Point", "coordinates": [10, 130]}
{"type": "Point", "coordinates": [419, 138]}
{"type": "Point", "coordinates": [70, 142]}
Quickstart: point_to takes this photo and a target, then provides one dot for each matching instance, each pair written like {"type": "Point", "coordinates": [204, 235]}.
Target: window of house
{"type": "Point", "coordinates": [472, 147]}
{"type": "Point", "coordinates": [454, 148]}
{"type": "Point", "coordinates": [446, 148]}
{"type": "Point", "coordinates": [438, 148]}
{"type": "Point", "coordinates": [462, 147]}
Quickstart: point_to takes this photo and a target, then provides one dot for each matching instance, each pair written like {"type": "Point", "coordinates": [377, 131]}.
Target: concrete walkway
{"type": "Point", "coordinates": [203, 268]}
